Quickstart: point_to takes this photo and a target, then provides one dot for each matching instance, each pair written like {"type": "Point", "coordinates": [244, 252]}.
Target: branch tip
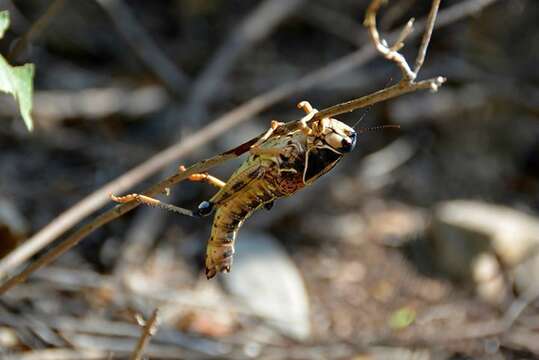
{"type": "Point", "coordinates": [436, 83]}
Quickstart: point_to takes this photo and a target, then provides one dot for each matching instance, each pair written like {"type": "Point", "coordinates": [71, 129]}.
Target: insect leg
{"type": "Point", "coordinates": [205, 208]}
{"type": "Point", "coordinates": [205, 177]}
{"type": "Point", "coordinates": [307, 107]}
{"type": "Point", "coordinates": [311, 112]}
{"type": "Point", "coordinates": [274, 125]}
{"type": "Point", "coordinates": [146, 200]}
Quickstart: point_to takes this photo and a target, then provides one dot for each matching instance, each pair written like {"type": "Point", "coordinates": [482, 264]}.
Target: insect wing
{"type": "Point", "coordinates": [246, 174]}
{"type": "Point", "coordinates": [319, 161]}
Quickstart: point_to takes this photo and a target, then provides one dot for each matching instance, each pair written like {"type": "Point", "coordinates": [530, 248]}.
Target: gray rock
{"type": "Point", "coordinates": [265, 279]}
{"type": "Point", "coordinates": [464, 231]}
{"type": "Point", "coordinates": [462, 226]}
{"type": "Point", "coordinates": [526, 275]}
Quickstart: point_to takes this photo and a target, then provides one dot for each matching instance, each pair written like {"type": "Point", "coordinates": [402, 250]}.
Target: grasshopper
{"type": "Point", "coordinates": [283, 160]}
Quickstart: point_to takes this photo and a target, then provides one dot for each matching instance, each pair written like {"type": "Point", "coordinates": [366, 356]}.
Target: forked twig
{"type": "Point", "coordinates": [454, 13]}
{"type": "Point", "coordinates": [407, 84]}
{"type": "Point", "coordinates": [149, 328]}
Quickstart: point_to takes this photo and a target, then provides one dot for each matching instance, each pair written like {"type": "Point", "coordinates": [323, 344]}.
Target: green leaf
{"type": "Point", "coordinates": [4, 22]}
{"type": "Point", "coordinates": [402, 318]}
{"type": "Point", "coordinates": [17, 80]}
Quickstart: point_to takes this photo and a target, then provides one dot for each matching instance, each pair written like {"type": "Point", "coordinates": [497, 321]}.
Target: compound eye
{"type": "Point", "coordinates": [204, 208]}
{"type": "Point", "coordinates": [348, 145]}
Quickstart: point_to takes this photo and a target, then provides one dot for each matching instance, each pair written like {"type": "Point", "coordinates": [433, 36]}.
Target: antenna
{"type": "Point", "coordinates": [370, 106]}
{"type": "Point", "coordinates": [362, 116]}
{"type": "Point", "coordinates": [376, 128]}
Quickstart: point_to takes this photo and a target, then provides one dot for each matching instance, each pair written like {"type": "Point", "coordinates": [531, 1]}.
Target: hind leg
{"type": "Point", "coordinates": [150, 201]}
{"type": "Point", "coordinates": [205, 207]}
{"type": "Point", "coordinates": [204, 177]}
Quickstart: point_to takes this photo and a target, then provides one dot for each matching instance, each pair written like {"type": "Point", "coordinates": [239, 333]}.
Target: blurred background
{"type": "Point", "coordinates": [421, 244]}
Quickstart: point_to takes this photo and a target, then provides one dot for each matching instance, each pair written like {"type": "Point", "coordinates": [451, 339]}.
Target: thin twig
{"type": "Point", "coordinates": [115, 329]}
{"type": "Point", "coordinates": [407, 84]}
{"type": "Point", "coordinates": [37, 28]}
{"type": "Point", "coordinates": [94, 201]}
{"type": "Point", "coordinates": [381, 95]}
{"type": "Point", "coordinates": [110, 215]}
{"type": "Point", "coordinates": [426, 36]}
{"type": "Point", "coordinates": [381, 45]}
{"type": "Point", "coordinates": [149, 328]}
{"type": "Point", "coordinates": [406, 30]}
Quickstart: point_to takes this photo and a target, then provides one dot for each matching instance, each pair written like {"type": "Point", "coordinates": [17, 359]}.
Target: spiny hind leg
{"type": "Point", "coordinates": [204, 208]}
{"type": "Point", "coordinates": [150, 201]}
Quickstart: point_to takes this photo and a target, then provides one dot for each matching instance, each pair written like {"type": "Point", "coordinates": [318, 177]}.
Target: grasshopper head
{"type": "Point", "coordinates": [339, 136]}
{"type": "Point", "coordinates": [331, 141]}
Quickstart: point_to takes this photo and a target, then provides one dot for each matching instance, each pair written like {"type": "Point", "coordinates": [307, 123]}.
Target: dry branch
{"type": "Point", "coordinates": [68, 219]}
{"type": "Point", "coordinates": [149, 328]}
{"type": "Point", "coordinates": [391, 53]}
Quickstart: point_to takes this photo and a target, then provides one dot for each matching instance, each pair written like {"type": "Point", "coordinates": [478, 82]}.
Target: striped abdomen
{"type": "Point", "coordinates": [257, 182]}
{"type": "Point", "coordinates": [229, 217]}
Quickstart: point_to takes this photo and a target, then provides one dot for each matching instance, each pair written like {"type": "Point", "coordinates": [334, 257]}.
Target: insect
{"type": "Point", "coordinates": [281, 162]}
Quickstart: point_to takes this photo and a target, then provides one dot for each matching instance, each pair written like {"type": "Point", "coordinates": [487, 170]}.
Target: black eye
{"type": "Point", "coordinates": [348, 146]}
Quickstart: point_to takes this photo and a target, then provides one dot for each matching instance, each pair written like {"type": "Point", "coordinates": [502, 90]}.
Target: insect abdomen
{"type": "Point", "coordinates": [229, 217]}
